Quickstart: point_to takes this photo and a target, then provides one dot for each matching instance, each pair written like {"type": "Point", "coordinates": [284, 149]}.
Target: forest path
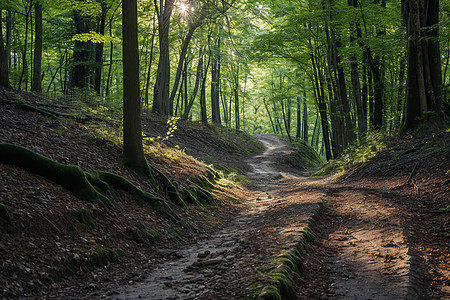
{"type": "Point", "coordinates": [221, 266]}
{"type": "Point", "coordinates": [360, 252]}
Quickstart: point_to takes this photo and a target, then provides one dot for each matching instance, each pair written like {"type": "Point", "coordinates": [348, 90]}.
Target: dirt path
{"type": "Point", "coordinates": [223, 265]}
{"type": "Point", "coordinates": [362, 250]}
{"type": "Point", "coordinates": [375, 242]}
{"type": "Point", "coordinates": [372, 260]}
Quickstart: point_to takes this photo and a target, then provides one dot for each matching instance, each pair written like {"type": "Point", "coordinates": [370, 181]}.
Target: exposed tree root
{"type": "Point", "coordinates": [91, 187]}
{"type": "Point", "coordinates": [70, 177]}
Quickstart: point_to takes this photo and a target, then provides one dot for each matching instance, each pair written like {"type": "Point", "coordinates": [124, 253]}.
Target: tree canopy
{"type": "Point", "coordinates": [327, 72]}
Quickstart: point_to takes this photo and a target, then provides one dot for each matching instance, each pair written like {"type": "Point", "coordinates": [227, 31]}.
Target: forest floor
{"type": "Point", "coordinates": [379, 233]}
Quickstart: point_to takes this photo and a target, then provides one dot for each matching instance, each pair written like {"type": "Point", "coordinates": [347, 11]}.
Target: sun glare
{"type": "Point", "coordinates": [183, 8]}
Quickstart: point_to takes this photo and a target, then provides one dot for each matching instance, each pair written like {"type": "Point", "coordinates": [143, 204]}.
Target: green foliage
{"type": "Point", "coordinates": [172, 126]}
{"type": "Point", "coordinates": [355, 155]}
{"type": "Point", "coordinates": [307, 156]}
{"type": "Point", "coordinates": [90, 8]}
{"type": "Point", "coordinates": [92, 37]}
{"type": "Point", "coordinates": [103, 256]}
{"type": "Point", "coordinates": [231, 174]}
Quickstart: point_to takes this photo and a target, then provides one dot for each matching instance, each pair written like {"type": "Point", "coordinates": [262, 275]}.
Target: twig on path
{"type": "Point", "coordinates": [413, 172]}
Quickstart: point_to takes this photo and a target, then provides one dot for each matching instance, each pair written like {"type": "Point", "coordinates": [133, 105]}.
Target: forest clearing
{"type": "Point", "coordinates": [211, 149]}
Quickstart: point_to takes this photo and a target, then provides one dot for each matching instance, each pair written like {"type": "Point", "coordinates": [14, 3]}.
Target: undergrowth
{"type": "Point", "coordinates": [355, 155]}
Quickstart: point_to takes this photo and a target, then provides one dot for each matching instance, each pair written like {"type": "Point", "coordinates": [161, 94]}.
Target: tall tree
{"type": "Point", "coordinates": [161, 89]}
{"type": "Point", "coordinates": [36, 84]}
{"type": "Point", "coordinates": [133, 152]}
{"type": "Point", "coordinates": [4, 73]}
{"type": "Point", "coordinates": [215, 81]}
{"type": "Point", "coordinates": [79, 70]}
{"type": "Point", "coordinates": [424, 78]}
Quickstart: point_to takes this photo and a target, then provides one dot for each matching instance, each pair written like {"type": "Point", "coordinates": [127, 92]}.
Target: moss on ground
{"type": "Point", "coordinates": [354, 155]}
{"type": "Point", "coordinates": [70, 177]}
{"type": "Point", "coordinates": [92, 187]}
{"type": "Point", "coordinates": [6, 223]}
{"type": "Point", "coordinates": [281, 283]}
{"type": "Point", "coordinates": [84, 216]}
{"type": "Point", "coordinates": [103, 256]}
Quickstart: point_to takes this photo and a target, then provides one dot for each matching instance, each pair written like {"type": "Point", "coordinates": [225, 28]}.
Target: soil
{"type": "Point", "coordinates": [380, 234]}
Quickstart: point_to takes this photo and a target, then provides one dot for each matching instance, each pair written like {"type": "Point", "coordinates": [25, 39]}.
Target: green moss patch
{"type": "Point", "coordinates": [142, 234]}
{"type": "Point", "coordinates": [84, 216]}
{"type": "Point", "coordinates": [281, 284]}
{"type": "Point", "coordinates": [103, 256]}
{"type": "Point", "coordinates": [6, 223]}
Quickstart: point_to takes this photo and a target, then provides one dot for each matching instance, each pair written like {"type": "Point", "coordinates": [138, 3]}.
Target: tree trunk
{"type": "Point", "coordinates": [305, 119]}
{"type": "Point", "coordinates": [400, 91]}
{"type": "Point", "coordinates": [161, 90]}
{"type": "Point", "coordinates": [321, 106]}
{"type": "Point", "coordinates": [24, 74]}
{"type": "Point", "coordinates": [99, 50]}
{"type": "Point", "coordinates": [286, 125]}
{"type": "Point", "coordinates": [147, 85]}
{"type": "Point", "coordinates": [198, 77]}
{"type": "Point", "coordinates": [79, 70]}
{"type": "Point", "coordinates": [289, 104]}
{"type": "Point", "coordinates": [356, 85]}
{"type": "Point", "coordinates": [298, 134]}
{"type": "Point", "coordinates": [133, 153]}
{"type": "Point", "coordinates": [9, 27]}
{"type": "Point", "coordinates": [4, 70]}
{"type": "Point", "coordinates": [215, 79]}
{"type": "Point", "coordinates": [36, 84]}
{"type": "Point", "coordinates": [203, 114]}
{"type": "Point", "coordinates": [236, 108]}
{"type": "Point", "coordinates": [424, 78]}
{"type": "Point", "coordinates": [270, 117]}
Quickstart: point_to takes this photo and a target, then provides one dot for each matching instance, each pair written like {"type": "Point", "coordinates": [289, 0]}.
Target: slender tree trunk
{"type": "Point", "coordinates": [298, 133]}
{"type": "Point", "coordinates": [320, 101]}
{"type": "Point", "coordinates": [305, 119]}
{"type": "Point", "coordinates": [98, 71]}
{"type": "Point", "coordinates": [270, 117]}
{"type": "Point", "coordinates": [108, 79]}
{"type": "Point", "coordinates": [400, 91]}
{"type": "Point", "coordinates": [37, 71]}
{"type": "Point", "coordinates": [198, 77]}
{"type": "Point", "coordinates": [225, 108]}
{"type": "Point", "coordinates": [236, 109]}
{"type": "Point", "coordinates": [285, 120]}
{"type": "Point", "coordinates": [4, 70]}
{"type": "Point", "coordinates": [147, 85]}
{"type": "Point", "coordinates": [62, 62]}
{"type": "Point", "coordinates": [289, 104]}
{"type": "Point", "coordinates": [133, 153]}
{"type": "Point", "coordinates": [236, 99]}
{"type": "Point", "coordinates": [9, 27]}
{"type": "Point", "coordinates": [215, 79]}
{"type": "Point", "coordinates": [203, 114]}
{"type": "Point", "coordinates": [314, 135]}
{"type": "Point", "coordinates": [356, 85]}
{"type": "Point", "coordinates": [185, 79]}
{"type": "Point", "coordinates": [24, 74]}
